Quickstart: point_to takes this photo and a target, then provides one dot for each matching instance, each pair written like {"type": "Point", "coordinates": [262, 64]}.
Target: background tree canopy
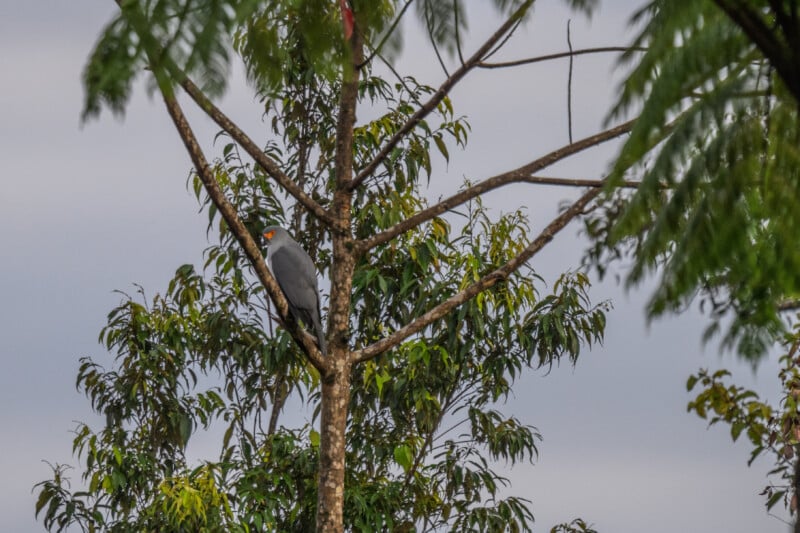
{"type": "Point", "coordinates": [716, 212]}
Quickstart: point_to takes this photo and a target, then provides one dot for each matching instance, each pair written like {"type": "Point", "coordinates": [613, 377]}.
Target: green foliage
{"type": "Point", "coordinates": [426, 427]}
{"type": "Point", "coordinates": [177, 38]}
{"type": "Point", "coordinates": [716, 148]}
{"type": "Point", "coordinates": [576, 526]}
{"type": "Point", "coordinates": [189, 35]}
{"type": "Point", "coordinates": [773, 430]}
{"type": "Point", "coordinates": [423, 417]}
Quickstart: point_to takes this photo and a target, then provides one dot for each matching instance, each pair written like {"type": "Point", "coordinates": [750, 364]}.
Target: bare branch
{"type": "Point", "coordinates": [458, 37]}
{"type": "Point", "coordinates": [789, 305]}
{"type": "Point", "coordinates": [559, 55]}
{"type": "Point", "coordinates": [522, 174]}
{"type": "Point", "coordinates": [501, 274]}
{"type": "Point", "coordinates": [499, 46]}
{"type": "Point", "coordinates": [237, 228]}
{"type": "Point", "coordinates": [569, 84]}
{"type": "Point", "coordinates": [263, 160]}
{"type": "Point", "coordinates": [438, 96]}
{"type": "Point", "coordinates": [161, 64]}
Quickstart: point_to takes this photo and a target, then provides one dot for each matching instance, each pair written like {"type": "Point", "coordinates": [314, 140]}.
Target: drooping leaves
{"type": "Point", "coordinates": [771, 429]}
{"type": "Point", "coordinates": [167, 37]}
{"type": "Point", "coordinates": [715, 148]}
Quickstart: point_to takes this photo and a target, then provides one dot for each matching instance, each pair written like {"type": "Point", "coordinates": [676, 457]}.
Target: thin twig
{"type": "Point", "coordinates": [458, 37]}
{"type": "Point", "coordinates": [389, 32]}
{"type": "Point", "coordinates": [433, 39]}
{"type": "Point", "coordinates": [559, 55]}
{"type": "Point", "coordinates": [502, 43]}
{"type": "Point", "coordinates": [569, 84]}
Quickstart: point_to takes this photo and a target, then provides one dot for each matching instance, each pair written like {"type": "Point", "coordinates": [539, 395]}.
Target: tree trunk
{"type": "Point", "coordinates": [336, 380]}
{"type": "Point", "coordinates": [796, 490]}
{"type": "Point", "coordinates": [335, 398]}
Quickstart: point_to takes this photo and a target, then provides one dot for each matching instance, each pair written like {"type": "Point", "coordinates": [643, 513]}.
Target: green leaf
{"type": "Point", "coordinates": [404, 456]}
{"type": "Point", "coordinates": [441, 146]}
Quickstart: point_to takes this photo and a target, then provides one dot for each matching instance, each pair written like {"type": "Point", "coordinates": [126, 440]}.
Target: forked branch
{"type": "Point", "coordinates": [519, 175]}
{"type": "Point", "coordinates": [559, 55]}
{"type": "Point", "coordinates": [439, 95]}
{"type": "Point", "coordinates": [263, 160]}
{"type": "Point", "coordinates": [237, 228]}
{"type": "Point", "coordinates": [162, 65]}
{"type": "Point", "coordinates": [481, 285]}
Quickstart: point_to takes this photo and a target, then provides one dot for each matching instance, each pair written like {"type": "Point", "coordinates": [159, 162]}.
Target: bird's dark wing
{"type": "Point", "coordinates": [295, 273]}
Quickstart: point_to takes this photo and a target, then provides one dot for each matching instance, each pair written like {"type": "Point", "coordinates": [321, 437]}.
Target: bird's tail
{"type": "Point", "coordinates": [320, 335]}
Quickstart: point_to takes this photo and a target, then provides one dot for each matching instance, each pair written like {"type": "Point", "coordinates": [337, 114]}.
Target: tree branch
{"type": "Point", "coordinates": [501, 274]}
{"type": "Point", "coordinates": [520, 175]}
{"type": "Point", "coordinates": [789, 305]}
{"type": "Point", "coordinates": [765, 39]}
{"type": "Point", "coordinates": [251, 249]}
{"type": "Point", "coordinates": [263, 160]}
{"type": "Point", "coordinates": [479, 286]}
{"type": "Point", "coordinates": [559, 55]}
{"type": "Point", "coordinates": [161, 64]}
{"type": "Point", "coordinates": [569, 85]}
{"type": "Point", "coordinates": [429, 27]}
{"type": "Point", "coordinates": [162, 69]}
{"type": "Point", "coordinates": [438, 96]}
{"type": "Point", "coordinates": [458, 37]}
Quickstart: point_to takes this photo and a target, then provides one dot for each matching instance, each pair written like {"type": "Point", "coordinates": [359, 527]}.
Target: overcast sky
{"type": "Point", "coordinates": [87, 210]}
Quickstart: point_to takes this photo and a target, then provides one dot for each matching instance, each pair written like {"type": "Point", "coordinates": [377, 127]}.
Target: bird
{"type": "Point", "coordinates": [296, 275]}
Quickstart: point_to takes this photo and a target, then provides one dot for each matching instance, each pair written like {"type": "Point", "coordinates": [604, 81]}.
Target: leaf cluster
{"type": "Point", "coordinates": [188, 36]}
{"type": "Point", "coordinates": [773, 430]}
{"type": "Point", "coordinates": [715, 146]}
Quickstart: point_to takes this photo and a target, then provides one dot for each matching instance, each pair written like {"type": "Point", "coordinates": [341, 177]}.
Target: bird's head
{"type": "Point", "coordinates": [272, 233]}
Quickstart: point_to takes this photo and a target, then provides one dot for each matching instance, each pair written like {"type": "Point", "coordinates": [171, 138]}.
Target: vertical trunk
{"type": "Point", "coordinates": [336, 381]}
{"type": "Point", "coordinates": [796, 490]}
{"type": "Point", "coordinates": [335, 397]}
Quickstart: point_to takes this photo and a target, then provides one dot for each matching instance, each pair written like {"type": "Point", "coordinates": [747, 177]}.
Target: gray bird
{"type": "Point", "coordinates": [296, 275]}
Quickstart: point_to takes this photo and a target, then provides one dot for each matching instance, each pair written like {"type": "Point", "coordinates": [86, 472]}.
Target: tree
{"type": "Point", "coordinates": [716, 213]}
{"type": "Point", "coordinates": [432, 311]}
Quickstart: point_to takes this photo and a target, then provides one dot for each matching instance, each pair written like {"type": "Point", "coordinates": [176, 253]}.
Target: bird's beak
{"type": "Point", "coordinates": [268, 236]}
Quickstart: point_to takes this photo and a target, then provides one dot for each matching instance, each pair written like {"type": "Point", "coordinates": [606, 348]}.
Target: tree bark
{"type": "Point", "coordinates": [336, 382]}
{"type": "Point", "coordinates": [335, 399]}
